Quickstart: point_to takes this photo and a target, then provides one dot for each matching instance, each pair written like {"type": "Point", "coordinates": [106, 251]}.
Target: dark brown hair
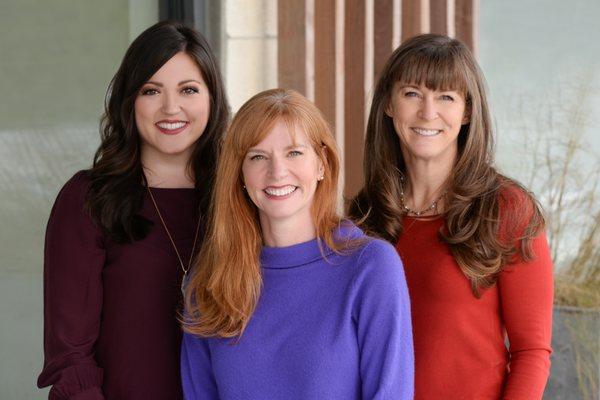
{"type": "Point", "coordinates": [483, 228]}
{"type": "Point", "coordinates": [116, 189]}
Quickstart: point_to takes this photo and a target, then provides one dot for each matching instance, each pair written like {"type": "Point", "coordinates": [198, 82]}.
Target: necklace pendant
{"type": "Point", "coordinates": [184, 282]}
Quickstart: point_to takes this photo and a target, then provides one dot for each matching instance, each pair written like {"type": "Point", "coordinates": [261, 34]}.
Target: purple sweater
{"type": "Point", "coordinates": [335, 329]}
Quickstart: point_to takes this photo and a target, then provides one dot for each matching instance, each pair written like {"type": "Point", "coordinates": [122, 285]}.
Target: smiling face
{"type": "Point", "coordinates": [281, 174]}
{"type": "Point", "coordinates": [172, 109]}
{"type": "Point", "coordinates": [427, 122]}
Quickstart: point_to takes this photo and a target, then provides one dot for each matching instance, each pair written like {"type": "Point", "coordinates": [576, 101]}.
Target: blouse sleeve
{"type": "Point", "coordinates": [526, 292]}
{"type": "Point", "coordinates": [384, 329]}
{"type": "Point", "coordinates": [196, 371]}
{"type": "Point", "coordinates": [73, 262]}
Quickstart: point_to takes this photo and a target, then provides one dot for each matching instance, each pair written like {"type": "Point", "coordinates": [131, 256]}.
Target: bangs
{"type": "Point", "coordinates": [437, 69]}
{"type": "Point", "coordinates": [258, 116]}
{"type": "Point", "coordinates": [256, 129]}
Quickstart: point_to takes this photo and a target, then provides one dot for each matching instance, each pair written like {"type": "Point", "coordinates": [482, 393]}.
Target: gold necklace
{"type": "Point", "coordinates": [169, 234]}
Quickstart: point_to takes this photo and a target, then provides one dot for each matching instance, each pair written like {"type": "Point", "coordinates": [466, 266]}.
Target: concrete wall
{"type": "Point", "coordinates": [249, 48]}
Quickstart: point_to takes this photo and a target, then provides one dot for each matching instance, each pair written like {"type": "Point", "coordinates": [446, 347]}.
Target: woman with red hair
{"type": "Point", "coordinates": [288, 300]}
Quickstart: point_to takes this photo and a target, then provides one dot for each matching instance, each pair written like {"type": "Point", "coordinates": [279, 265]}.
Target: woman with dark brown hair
{"type": "Point", "coordinates": [122, 234]}
{"type": "Point", "coordinates": [472, 240]}
{"type": "Point", "coordinates": [289, 301]}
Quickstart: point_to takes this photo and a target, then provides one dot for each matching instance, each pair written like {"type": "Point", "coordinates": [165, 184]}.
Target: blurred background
{"type": "Point", "coordinates": [541, 59]}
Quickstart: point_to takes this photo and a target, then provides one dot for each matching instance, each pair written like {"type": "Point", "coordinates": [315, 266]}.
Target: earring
{"type": "Point", "coordinates": [320, 178]}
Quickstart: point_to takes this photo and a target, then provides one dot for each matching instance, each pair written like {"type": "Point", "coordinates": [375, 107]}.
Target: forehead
{"type": "Point", "coordinates": [179, 67]}
{"type": "Point", "coordinates": [283, 134]}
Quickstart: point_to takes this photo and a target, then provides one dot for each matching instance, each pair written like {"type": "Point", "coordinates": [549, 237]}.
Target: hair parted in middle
{"type": "Point", "coordinates": [475, 188]}
{"type": "Point", "coordinates": [222, 293]}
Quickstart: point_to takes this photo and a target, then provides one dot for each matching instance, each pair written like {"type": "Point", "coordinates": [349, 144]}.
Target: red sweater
{"type": "Point", "coordinates": [459, 340]}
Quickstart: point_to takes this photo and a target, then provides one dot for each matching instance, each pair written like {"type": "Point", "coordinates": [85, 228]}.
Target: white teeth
{"type": "Point", "coordinates": [426, 132]}
{"type": "Point", "coordinates": [171, 125]}
{"type": "Point", "coordinates": [284, 191]}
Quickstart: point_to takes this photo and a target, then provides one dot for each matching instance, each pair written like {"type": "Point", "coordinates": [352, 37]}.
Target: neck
{"type": "Point", "coordinates": [425, 182]}
{"type": "Point", "coordinates": [167, 171]}
{"type": "Point", "coordinates": [286, 233]}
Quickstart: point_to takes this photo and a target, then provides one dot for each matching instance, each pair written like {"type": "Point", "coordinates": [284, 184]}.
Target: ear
{"type": "Point", "coordinates": [389, 110]}
{"type": "Point", "coordinates": [467, 114]}
{"type": "Point", "coordinates": [322, 159]}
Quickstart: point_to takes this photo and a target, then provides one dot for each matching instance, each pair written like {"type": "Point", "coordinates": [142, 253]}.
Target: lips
{"type": "Point", "coordinates": [426, 132]}
{"type": "Point", "coordinates": [171, 127]}
{"type": "Point", "coordinates": [280, 191]}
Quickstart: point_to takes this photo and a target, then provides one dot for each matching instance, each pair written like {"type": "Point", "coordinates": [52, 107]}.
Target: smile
{"type": "Point", "coordinates": [280, 191]}
{"type": "Point", "coordinates": [426, 132]}
{"type": "Point", "coordinates": [171, 127]}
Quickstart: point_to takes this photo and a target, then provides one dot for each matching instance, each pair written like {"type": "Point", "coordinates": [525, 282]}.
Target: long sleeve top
{"type": "Point", "coordinates": [460, 347]}
{"type": "Point", "coordinates": [110, 310]}
{"type": "Point", "coordinates": [334, 328]}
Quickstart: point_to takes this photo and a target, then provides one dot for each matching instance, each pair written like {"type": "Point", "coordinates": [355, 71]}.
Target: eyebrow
{"type": "Point", "coordinates": [299, 146]}
{"type": "Point", "coordinates": [179, 84]}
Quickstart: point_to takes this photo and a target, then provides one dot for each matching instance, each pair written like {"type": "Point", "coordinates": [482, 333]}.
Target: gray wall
{"type": "Point", "coordinates": [57, 59]}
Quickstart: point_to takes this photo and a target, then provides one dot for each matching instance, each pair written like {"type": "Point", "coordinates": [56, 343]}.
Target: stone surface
{"type": "Point", "coordinates": [575, 367]}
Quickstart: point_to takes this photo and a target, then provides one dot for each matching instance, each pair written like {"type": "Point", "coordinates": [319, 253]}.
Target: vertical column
{"type": "Point", "coordinates": [383, 37]}
{"type": "Point", "coordinates": [415, 18]}
{"type": "Point", "coordinates": [465, 18]}
{"type": "Point", "coordinates": [354, 94]}
{"type": "Point", "coordinates": [438, 13]}
{"type": "Point", "coordinates": [325, 58]}
{"type": "Point", "coordinates": [291, 45]}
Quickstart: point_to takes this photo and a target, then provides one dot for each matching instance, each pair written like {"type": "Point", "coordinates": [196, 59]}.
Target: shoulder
{"type": "Point", "coordinates": [75, 188]}
{"type": "Point", "coordinates": [516, 201]}
{"type": "Point", "coordinates": [513, 195]}
{"type": "Point", "coordinates": [362, 248]}
{"type": "Point", "coordinates": [377, 251]}
{"type": "Point", "coordinates": [70, 201]}
{"type": "Point", "coordinates": [377, 264]}
{"type": "Point", "coordinates": [518, 210]}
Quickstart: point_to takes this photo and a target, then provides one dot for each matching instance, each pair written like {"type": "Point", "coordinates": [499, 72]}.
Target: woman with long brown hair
{"type": "Point", "coordinates": [289, 301]}
{"type": "Point", "coordinates": [471, 239]}
{"type": "Point", "coordinates": [122, 234]}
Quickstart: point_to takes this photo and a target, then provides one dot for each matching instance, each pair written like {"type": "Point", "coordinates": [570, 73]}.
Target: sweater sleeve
{"type": "Point", "coordinates": [73, 262]}
{"type": "Point", "coordinates": [196, 372]}
{"type": "Point", "coordinates": [382, 316]}
{"type": "Point", "coordinates": [526, 292]}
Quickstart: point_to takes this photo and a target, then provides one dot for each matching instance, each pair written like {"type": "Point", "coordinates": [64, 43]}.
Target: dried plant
{"type": "Point", "coordinates": [564, 172]}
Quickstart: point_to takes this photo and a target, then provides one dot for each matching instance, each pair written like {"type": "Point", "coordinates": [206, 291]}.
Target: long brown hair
{"type": "Point", "coordinates": [483, 228]}
{"type": "Point", "coordinates": [223, 291]}
{"type": "Point", "coordinates": [116, 191]}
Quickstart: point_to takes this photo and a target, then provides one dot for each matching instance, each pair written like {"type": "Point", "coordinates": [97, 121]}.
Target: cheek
{"type": "Point", "coordinates": [201, 106]}
{"type": "Point", "coordinates": [250, 176]}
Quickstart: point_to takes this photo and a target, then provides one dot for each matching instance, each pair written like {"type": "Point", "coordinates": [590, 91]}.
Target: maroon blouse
{"type": "Point", "coordinates": [110, 327]}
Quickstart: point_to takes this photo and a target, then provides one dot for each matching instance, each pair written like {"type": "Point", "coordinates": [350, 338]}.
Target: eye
{"type": "Point", "coordinates": [189, 90]}
{"type": "Point", "coordinates": [410, 93]}
{"type": "Point", "coordinates": [257, 157]}
{"type": "Point", "coordinates": [294, 153]}
{"type": "Point", "coordinates": [447, 97]}
{"type": "Point", "coordinates": [149, 92]}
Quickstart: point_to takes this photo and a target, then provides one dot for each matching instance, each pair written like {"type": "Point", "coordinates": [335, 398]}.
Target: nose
{"type": "Point", "coordinates": [170, 104]}
{"type": "Point", "coordinates": [277, 168]}
{"type": "Point", "coordinates": [428, 110]}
